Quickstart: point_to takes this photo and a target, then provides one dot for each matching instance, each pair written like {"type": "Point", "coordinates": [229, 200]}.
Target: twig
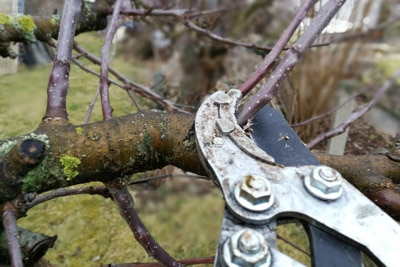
{"type": "Point", "coordinates": [58, 85]}
{"type": "Point", "coordinates": [358, 35]}
{"type": "Point", "coordinates": [356, 115]}
{"type": "Point", "coordinates": [320, 116]}
{"type": "Point", "coordinates": [91, 106]}
{"type": "Point", "coordinates": [186, 262]}
{"type": "Point", "coordinates": [267, 91]}
{"type": "Point", "coordinates": [63, 192]}
{"type": "Point", "coordinates": [187, 13]}
{"type": "Point", "coordinates": [287, 241]}
{"type": "Point", "coordinates": [276, 50]}
{"type": "Point", "coordinates": [10, 226]}
{"type": "Point", "coordinates": [127, 210]}
{"type": "Point", "coordinates": [148, 179]}
{"type": "Point", "coordinates": [105, 62]}
{"type": "Point", "coordinates": [223, 40]}
{"type": "Point", "coordinates": [130, 85]}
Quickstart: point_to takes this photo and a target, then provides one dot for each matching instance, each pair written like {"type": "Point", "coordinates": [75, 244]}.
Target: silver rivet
{"type": "Point", "coordinates": [324, 182]}
{"type": "Point", "coordinates": [218, 141]}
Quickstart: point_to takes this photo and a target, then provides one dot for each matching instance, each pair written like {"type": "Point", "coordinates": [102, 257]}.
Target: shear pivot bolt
{"type": "Point", "coordinates": [325, 183]}
{"type": "Point", "coordinates": [222, 99]}
{"type": "Point", "coordinates": [247, 248]}
{"type": "Point", "coordinates": [254, 193]}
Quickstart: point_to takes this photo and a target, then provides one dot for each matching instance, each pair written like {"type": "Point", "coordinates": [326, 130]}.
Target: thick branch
{"type": "Point", "coordinates": [107, 150]}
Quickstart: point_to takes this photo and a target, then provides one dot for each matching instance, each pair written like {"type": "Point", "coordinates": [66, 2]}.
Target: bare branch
{"type": "Point", "coordinates": [127, 210]}
{"type": "Point", "coordinates": [63, 192]}
{"type": "Point", "coordinates": [10, 226]}
{"type": "Point", "coordinates": [130, 85]}
{"type": "Point", "coordinates": [276, 50]}
{"type": "Point", "coordinates": [58, 85]}
{"type": "Point", "coordinates": [330, 112]}
{"type": "Point", "coordinates": [105, 62]}
{"type": "Point", "coordinates": [186, 262]}
{"type": "Point", "coordinates": [222, 40]}
{"type": "Point", "coordinates": [356, 115]}
{"type": "Point", "coordinates": [265, 94]}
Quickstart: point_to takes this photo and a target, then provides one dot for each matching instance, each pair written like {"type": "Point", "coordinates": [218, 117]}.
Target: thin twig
{"type": "Point", "coordinates": [276, 50]}
{"type": "Point", "coordinates": [63, 192]}
{"type": "Point", "coordinates": [330, 112]}
{"type": "Point", "coordinates": [187, 13]}
{"type": "Point", "coordinates": [124, 200]}
{"type": "Point", "coordinates": [130, 85]}
{"type": "Point", "coordinates": [287, 241]}
{"type": "Point", "coordinates": [356, 115]}
{"type": "Point", "coordinates": [268, 90]}
{"type": "Point", "coordinates": [105, 62]}
{"type": "Point", "coordinates": [223, 40]}
{"type": "Point", "coordinates": [362, 34]}
{"type": "Point", "coordinates": [186, 262]}
{"type": "Point", "coordinates": [152, 178]}
{"type": "Point", "coordinates": [11, 229]}
{"type": "Point", "coordinates": [58, 85]}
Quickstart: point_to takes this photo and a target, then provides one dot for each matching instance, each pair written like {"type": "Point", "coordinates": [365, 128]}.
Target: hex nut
{"type": "Point", "coordinates": [254, 193]}
{"type": "Point", "coordinates": [325, 183]}
{"type": "Point", "coordinates": [247, 248]}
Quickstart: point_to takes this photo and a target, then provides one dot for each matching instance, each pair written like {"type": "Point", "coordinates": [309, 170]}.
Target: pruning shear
{"type": "Point", "coordinates": [273, 178]}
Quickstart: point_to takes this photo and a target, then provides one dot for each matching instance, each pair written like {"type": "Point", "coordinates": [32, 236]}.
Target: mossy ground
{"type": "Point", "coordinates": [89, 229]}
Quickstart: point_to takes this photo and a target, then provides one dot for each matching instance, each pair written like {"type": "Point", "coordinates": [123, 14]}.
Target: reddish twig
{"type": "Point", "coordinates": [187, 13]}
{"type": "Point", "coordinates": [186, 262]}
{"type": "Point", "coordinates": [105, 62]}
{"type": "Point", "coordinates": [356, 115]}
{"type": "Point", "coordinates": [276, 50]}
{"type": "Point", "coordinates": [127, 210]}
{"type": "Point", "coordinates": [63, 192]}
{"type": "Point", "coordinates": [58, 85]}
{"type": "Point", "coordinates": [223, 40]}
{"type": "Point", "coordinates": [11, 229]}
{"type": "Point", "coordinates": [267, 91]}
{"type": "Point", "coordinates": [287, 241]}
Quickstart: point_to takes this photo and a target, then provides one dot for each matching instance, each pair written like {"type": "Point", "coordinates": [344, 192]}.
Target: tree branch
{"type": "Point", "coordinates": [276, 50]}
{"type": "Point", "coordinates": [127, 210]}
{"type": "Point", "coordinates": [105, 62]}
{"type": "Point", "coordinates": [356, 115]}
{"type": "Point", "coordinates": [106, 150]}
{"type": "Point", "coordinates": [24, 28]}
{"type": "Point", "coordinates": [10, 226]}
{"type": "Point", "coordinates": [268, 91]}
{"type": "Point", "coordinates": [58, 85]}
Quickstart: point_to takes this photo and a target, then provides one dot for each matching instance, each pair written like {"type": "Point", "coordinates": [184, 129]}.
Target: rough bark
{"type": "Point", "coordinates": [25, 28]}
{"type": "Point", "coordinates": [104, 151]}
